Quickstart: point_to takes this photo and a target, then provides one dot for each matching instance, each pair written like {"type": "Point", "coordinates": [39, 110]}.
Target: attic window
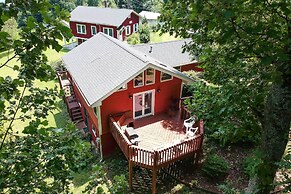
{"type": "Point", "coordinates": [81, 29]}
{"type": "Point", "coordinates": [150, 76]}
{"type": "Point", "coordinates": [165, 77]}
{"type": "Point", "coordinates": [138, 80]}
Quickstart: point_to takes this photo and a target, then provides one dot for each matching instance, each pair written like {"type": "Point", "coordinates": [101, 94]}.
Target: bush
{"type": "Point", "coordinates": [133, 39]}
{"type": "Point", "coordinates": [215, 167]}
{"type": "Point", "coordinates": [227, 188]}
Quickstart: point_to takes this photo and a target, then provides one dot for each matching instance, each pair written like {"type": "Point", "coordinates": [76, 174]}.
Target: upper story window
{"type": "Point", "coordinates": [138, 80]}
{"type": "Point", "coordinates": [108, 31]}
{"type": "Point", "coordinates": [93, 30]}
{"type": "Point", "coordinates": [135, 27]}
{"type": "Point", "coordinates": [165, 77]}
{"type": "Point", "coordinates": [81, 29]}
{"type": "Point", "coordinates": [127, 30]}
{"type": "Point", "coordinates": [150, 76]}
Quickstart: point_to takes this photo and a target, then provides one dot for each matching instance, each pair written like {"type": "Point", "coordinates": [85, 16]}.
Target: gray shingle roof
{"type": "Point", "coordinates": [99, 15]}
{"type": "Point", "coordinates": [169, 52]}
{"type": "Point", "coordinates": [102, 64]}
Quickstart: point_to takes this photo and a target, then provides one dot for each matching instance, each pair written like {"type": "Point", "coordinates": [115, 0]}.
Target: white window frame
{"type": "Point", "coordinates": [135, 27]}
{"type": "Point", "coordinates": [154, 81]}
{"type": "Point", "coordinates": [92, 30]}
{"type": "Point", "coordinates": [166, 79]}
{"type": "Point", "coordinates": [81, 28]}
{"type": "Point", "coordinates": [122, 88]}
{"type": "Point", "coordinates": [127, 30]}
{"type": "Point", "coordinates": [142, 80]}
{"type": "Point", "coordinates": [108, 31]}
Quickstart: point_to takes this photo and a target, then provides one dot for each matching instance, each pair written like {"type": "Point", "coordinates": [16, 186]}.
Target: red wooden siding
{"type": "Point", "coordinates": [92, 119]}
{"type": "Point", "coordinates": [120, 102]}
{"type": "Point", "coordinates": [134, 19]}
{"type": "Point", "coordinates": [193, 66]}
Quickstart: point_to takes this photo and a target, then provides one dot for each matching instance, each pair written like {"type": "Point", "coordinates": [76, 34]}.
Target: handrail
{"type": "Point", "coordinates": [157, 158]}
{"type": "Point", "coordinates": [120, 138]}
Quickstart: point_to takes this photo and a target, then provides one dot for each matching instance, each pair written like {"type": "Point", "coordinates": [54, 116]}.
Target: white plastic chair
{"type": "Point", "coordinates": [188, 123]}
{"type": "Point", "coordinates": [192, 132]}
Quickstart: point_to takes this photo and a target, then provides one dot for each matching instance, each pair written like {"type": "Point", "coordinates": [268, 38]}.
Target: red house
{"type": "Point", "coordinates": [86, 22]}
{"type": "Point", "coordinates": [130, 99]}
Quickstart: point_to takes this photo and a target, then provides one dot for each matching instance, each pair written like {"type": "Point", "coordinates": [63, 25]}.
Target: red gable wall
{"type": "Point", "coordinates": [120, 102]}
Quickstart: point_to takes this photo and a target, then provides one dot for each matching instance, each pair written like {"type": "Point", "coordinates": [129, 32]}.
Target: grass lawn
{"type": "Point", "coordinates": [58, 118]}
{"type": "Point", "coordinates": [156, 37]}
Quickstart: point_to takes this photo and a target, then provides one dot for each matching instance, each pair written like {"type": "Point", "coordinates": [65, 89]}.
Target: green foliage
{"type": "Point", "coordinates": [92, 2]}
{"type": "Point", "coordinates": [39, 158]}
{"type": "Point", "coordinates": [133, 39]}
{"type": "Point", "coordinates": [119, 185]}
{"type": "Point", "coordinates": [215, 167]}
{"type": "Point", "coordinates": [251, 164]}
{"type": "Point", "coordinates": [227, 188]}
{"type": "Point", "coordinates": [244, 48]}
{"type": "Point", "coordinates": [144, 32]}
{"type": "Point", "coordinates": [10, 26]}
{"type": "Point", "coordinates": [225, 119]}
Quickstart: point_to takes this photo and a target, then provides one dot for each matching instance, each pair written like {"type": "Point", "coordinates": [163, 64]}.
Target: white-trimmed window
{"type": "Point", "coordinates": [150, 76]}
{"type": "Point", "coordinates": [81, 29]}
{"type": "Point", "coordinates": [124, 87]}
{"type": "Point", "coordinates": [127, 30]}
{"type": "Point", "coordinates": [135, 27]}
{"type": "Point", "coordinates": [165, 77]}
{"type": "Point", "coordinates": [138, 80]}
{"type": "Point", "coordinates": [93, 30]}
{"type": "Point", "coordinates": [108, 31]}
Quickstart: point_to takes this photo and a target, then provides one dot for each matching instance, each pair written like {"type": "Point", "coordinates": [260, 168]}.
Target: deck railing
{"type": "Point", "coordinates": [157, 158]}
{"type": "Point", "coordinates": [120, 137]}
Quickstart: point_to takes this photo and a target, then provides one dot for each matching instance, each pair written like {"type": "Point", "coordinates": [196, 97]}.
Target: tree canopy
{"type": "Point", "coordinates": [244, 48]}
{"type": "Point", "coordinates": [38, 158]}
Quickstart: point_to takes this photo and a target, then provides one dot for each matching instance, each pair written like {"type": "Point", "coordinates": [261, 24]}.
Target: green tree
{"type": "Point", "coordinates": [41, 158]}
{"type": "Point", "coordinates": [244, 47]}
{"type": "Point", "coordinates": [92, 2]}
{"type": "Point", "coordinates": [10, 27]}
{"type": "Point", "coordinates": [144, 32]}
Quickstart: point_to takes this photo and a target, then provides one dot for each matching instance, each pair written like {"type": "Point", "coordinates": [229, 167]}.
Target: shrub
{"type": "Point", "coordinates": [227, 188]}
{"type": "Point", "coordinates": [133, 39]}
{"type": "Point", "coordinates": [215, 167]}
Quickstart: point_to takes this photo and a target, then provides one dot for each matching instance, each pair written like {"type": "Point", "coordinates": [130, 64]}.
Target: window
{"type": "Point", "coordinates": [165, 77]}
{"type": "Point", "coordinates": [124, 87]}
{"type": "Point", "coordinates": [93, 30]}
{"type": "Point", "coordinates": [138, 80]}
{"type": "Point", "coordinates": [127, 30]}
{"type": "Point", "coordinates": [108, 31]}
{"type": "Point", "coordinates": [150, 76]}
{"type": "Point", "coordinates": [135, 27]}
{"type": "Point", "coordinates": [81, 29]}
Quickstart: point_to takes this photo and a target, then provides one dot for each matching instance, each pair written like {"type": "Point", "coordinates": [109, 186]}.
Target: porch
{"type": "Point", "coordinates": [161, 141]}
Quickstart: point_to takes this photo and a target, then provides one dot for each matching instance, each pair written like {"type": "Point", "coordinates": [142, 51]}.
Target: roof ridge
{"type": "Point", "coordinates": [131, 51]}
{"type": "Point", "coordinates": [154, 43]}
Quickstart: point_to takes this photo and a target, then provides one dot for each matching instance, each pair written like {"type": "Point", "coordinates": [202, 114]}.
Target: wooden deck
{"type": "Point", "coordinates": [162, 141]}
{"type": "Point", "coordinates": [156, 132]}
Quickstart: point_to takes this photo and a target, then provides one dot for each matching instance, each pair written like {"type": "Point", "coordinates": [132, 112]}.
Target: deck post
{"type": "Point", "coordinates": [154, 178]}
{"type": "Point", "coordinates": [130, 169]}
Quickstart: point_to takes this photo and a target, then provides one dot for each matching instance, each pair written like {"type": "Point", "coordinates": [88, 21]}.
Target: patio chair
{"type": "Point", "coordinates": [188, 123]}
{"type": "Point", "coordinates": [192, 132]}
